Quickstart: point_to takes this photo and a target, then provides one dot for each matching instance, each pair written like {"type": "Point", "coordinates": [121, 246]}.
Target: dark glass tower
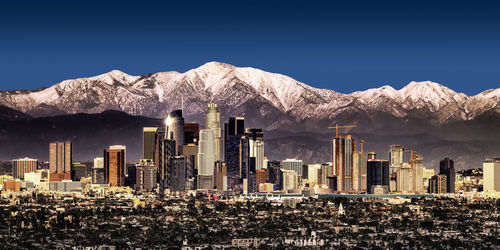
{"type": "Point", "coordinates": [447, 168]}
{"type": "Point", "coordinates": [377, 173]}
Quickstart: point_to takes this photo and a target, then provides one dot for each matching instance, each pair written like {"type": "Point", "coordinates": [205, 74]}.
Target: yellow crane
{"type": "Point", "coordinates": [336, 127]}
{"type": "Point", "coordinates": [411, 156]}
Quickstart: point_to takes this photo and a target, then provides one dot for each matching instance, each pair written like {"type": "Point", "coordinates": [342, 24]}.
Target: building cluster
{"type": "Point", "coordinates": [181, 157]}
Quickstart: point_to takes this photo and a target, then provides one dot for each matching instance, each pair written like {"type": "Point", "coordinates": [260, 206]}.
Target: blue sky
{"type": "Point", "coordinates": [345, 46]}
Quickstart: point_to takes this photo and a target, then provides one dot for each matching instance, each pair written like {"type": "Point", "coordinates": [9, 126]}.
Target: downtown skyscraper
{"type": "Point", "coordinates": [342, 160]}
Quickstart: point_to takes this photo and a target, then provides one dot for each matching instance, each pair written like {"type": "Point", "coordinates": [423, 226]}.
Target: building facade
{"type": "Point", "coordinates": [22, 166]}
{"type": "Point", "coordinates": [114, 167]}
{"type": "Point", "coordinates": [60, 157]}
{"type": "Point", "coordinates": [377, 174]}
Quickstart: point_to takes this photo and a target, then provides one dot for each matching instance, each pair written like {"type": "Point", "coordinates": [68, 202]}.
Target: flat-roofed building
{"type": "Point", "coordinates": [22, 166]}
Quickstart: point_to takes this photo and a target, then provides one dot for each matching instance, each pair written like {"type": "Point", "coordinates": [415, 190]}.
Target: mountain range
{"type": "Point", "coordinates": [425, 116]}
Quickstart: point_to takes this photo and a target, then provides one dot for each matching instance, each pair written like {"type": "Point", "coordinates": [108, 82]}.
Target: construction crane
{"type": "Point", "coordinates": [336, 127]}
{"type": "Point", "coordinates": [411, 156]}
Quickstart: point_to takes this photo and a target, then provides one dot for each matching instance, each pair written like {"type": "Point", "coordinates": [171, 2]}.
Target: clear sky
{"type": "Point", "coordinates": [345, 46]}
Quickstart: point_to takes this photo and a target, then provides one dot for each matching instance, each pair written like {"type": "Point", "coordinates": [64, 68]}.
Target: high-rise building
{"type": "Point", "coordinates": [212, 121]}
{"type": "Point", "coordinates": [396, 155]}
{"type": "Point", "coordinates": [256, 146]}
{"type": "Point", "coordinates": [98, 171]}
{"type": "Point", "coordinates": [176, 129]}
{"type": "Point", "coordinates": [165, 148]}
{"type": "Point", "coordinates": [292, 164]}
{"type": "Point", "coordinates": [206, 159]}
{"type": "Point", "coordinates": [437, 184]}
{"type": "Point", "coordinates": [179, 173]}
{"type": "Point", "coordinates": [491, 174]}
{"type": "Point", "coordinates": [405, 178]}
{"type": "Point", "coordinates": [124, 148]}
{"type": "Point", "coordinates": [447, 168]}
{"type": "Point", "coordinates": [342, 159]}
{"type": "Point", "coordinates": [145, 175]}
{"type": "Point", "coordinates": [325, 174]}
{"type": "Point", "coordinates": [377, 174]}
{"type": "Point", "coordinates": [418, 174]}
{"type": "Point", "coordinates": [22, 166]}
{"type": "Point", "coordinates": [114, 167]}
{"type": "Point", "coordinates": [396, 159]}
{"type": "Point", "coordinates": [78, 171]}
{"type": "Point", "coordinates": [235, 126]}
{"type": "Point", "coordinates": [60, 157]}
{"type": "Point", "coordinates": [148, 142]}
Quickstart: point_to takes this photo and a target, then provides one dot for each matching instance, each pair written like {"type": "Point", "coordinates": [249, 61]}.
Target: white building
{"type": "Point", "coordinates": [290, 179]}
{"type": "Point", "coordinates": [256, 149]}
{"type": "Point", "coordinates": [292, 164]}
{"type": "Point", "coordinates": [206, 158]}
{"type": "Point", "coordinates": [212, 121]}
{"type": "Point", "coordinates": [313, 173]}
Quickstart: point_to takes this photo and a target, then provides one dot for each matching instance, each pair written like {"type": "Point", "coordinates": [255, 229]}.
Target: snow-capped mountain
{"type": "Point", "coordinates": [269, 99]}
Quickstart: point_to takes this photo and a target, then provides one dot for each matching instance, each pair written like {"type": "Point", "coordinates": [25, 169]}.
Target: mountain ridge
{"type": "Point", "coordinates": [154, 94]}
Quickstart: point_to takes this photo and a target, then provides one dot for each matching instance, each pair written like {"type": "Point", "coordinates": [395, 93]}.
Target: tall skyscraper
{"type": "Point", "coordinates": [377, 174]}
{"type": "Point", "coordinates": [342, 159]}
{"type": "Point", "coordinates": [256, 146]}
{"type": "Point", "coordinates": [148, 142]}
{"type": "Point", "coordinates": [491, 174]}
{"type": "Point", "coordinates": [418, 174]}
{"type": "Point", "coordinates": [447, 168]}
{"type": "Point", "coordinates": [124, 148]}
{"type": "Point", "coordinates": [396, 159]}
{"type": "Point", "coordinates": [177, 130]}
{"type": "Point", "coordinates": [212, 121]}
{"type": "Point", "coordinates": [235, 151]}
{"type": "Point", "coordinates": [22, 166]}
{"type": "Point", "coordinates": [114, 167]}
{"type": "Point", "coordinates": [60, 157]}
{"type": "Point", "coordinates": [206, 159]}
{"type": "Point", "coordinates": [235, 126]}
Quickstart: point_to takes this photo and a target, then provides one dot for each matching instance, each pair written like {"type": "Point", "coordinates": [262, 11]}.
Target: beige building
{"type": "Point", "coordinates": [22, 166]}
{"type": "Point", "coordinates": [60, 157]}
{"type": "Point", "coordinates": [491, 174]}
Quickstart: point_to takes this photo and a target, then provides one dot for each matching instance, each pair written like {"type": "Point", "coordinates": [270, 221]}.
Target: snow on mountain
{"type": "Point", "coordinates": [245, 91]}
